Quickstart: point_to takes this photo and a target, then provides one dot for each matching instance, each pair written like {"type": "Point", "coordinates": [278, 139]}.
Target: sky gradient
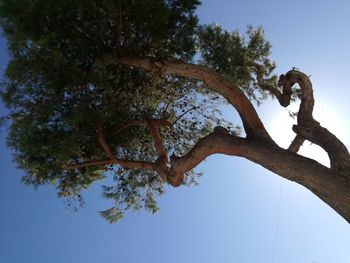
{"type": "Point", "coordinates": [239, 212]}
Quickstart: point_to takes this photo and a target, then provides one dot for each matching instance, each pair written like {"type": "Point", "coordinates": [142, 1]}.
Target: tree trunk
{"type": "Point", "coordinates": [329, 186]}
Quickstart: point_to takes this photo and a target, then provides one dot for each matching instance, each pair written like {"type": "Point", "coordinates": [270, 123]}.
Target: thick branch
{"type": "Point", "coordinates": [331, 188]}
{"type": "Point", "coordinates": [251, 121]}
{"type": "Point", "coordinates": [311, 130]}
{"type": "Point", "coordinates": [338, 154]}
{"type": "Point", "coordinates": [308, 128]}
{"type": "Point", "coordinates": [307, 102]}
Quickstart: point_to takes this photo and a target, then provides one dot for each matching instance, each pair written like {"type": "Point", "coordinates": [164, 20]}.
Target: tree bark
{"type": "Point", "coordinates": [322, 181]}
{"type": "Point", "coordinates": [332, 185]}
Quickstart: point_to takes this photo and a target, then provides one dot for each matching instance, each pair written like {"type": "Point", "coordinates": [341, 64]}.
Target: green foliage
{"type": "Point", "coordinates": [233, 55]}
{"type": "Point", "coordinates": [59, 92]}
{"type": "Point", "coordinates": [133, 190]}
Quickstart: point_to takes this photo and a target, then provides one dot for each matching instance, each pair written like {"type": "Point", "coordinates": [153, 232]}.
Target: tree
{"type": "Point", "coordinates": [132, 90]}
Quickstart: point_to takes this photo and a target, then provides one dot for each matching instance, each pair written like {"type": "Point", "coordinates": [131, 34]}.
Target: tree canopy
{"type": "Point", "coordinates": [131, 89]}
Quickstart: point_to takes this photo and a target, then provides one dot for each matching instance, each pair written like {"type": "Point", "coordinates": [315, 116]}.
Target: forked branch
{"type": "Point", "coordinates": [160, 165]}
{"type": "Point", "coordinates": [307, 128]}
{"type": "Point", "coordinates": [112, 159]}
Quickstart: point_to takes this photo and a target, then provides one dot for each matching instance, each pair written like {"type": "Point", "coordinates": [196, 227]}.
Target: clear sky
{"type": "Point", "coordinates": [239, 212]}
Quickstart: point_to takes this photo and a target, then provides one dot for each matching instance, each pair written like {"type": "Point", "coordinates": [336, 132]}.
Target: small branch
{"type": "Point", "coordinates": [157, 123]}
{"type": "Point", "coordinates": [112, 159]}
{"type": "Point", "coordinates": [296, 144]}
{"type": "Point", "coordinates": [165, 109]}
{"type": "Point", "coordinates": [158, 142]}
{"type": "Point", "coordinates": [161, 165]}
{"type": "Point", "coordinates": [183, 114]}
{"type": "Point", "coordinates": [103, 142]}
{"type": "Point", "coordinates": [124, 163]}
{"type": "Point", "coordinates": [119, 26]}
{"type": "Point", "coordinates": [283, 98]}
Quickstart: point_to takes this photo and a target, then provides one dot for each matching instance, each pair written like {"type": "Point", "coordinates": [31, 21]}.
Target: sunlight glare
{"type": "Point", "coordinates": [281, 130]}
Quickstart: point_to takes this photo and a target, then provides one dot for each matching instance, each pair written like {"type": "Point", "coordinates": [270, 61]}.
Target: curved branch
{"type": "Point", "coordinates": [287, 81]}
{"type": "Point", "coordinates": [283, 97]}
{"type": "Point", "coordinates": [311, 130]}
{"type": "Point", "coordinates": [103, 142]}
{"type": "Point", "coordinates": [307, 102]}
{"type": "Point", "coordinates": [308, 128]}
{"type": "Point", "coordinates": [232, 93]}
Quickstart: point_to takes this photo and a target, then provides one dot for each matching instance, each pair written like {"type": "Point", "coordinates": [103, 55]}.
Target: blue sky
{"type": "Point", "coordinates": [239, 212]}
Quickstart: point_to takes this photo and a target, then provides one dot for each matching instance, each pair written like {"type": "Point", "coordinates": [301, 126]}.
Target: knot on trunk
{"type": "Point", "coordinates": [220, 130]}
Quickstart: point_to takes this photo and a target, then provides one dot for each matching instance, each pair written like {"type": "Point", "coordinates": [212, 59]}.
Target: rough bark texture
{"type": "Point", "coordinates": [332, 185]}
{"type": "Point", "coordinates": [327, 185]}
